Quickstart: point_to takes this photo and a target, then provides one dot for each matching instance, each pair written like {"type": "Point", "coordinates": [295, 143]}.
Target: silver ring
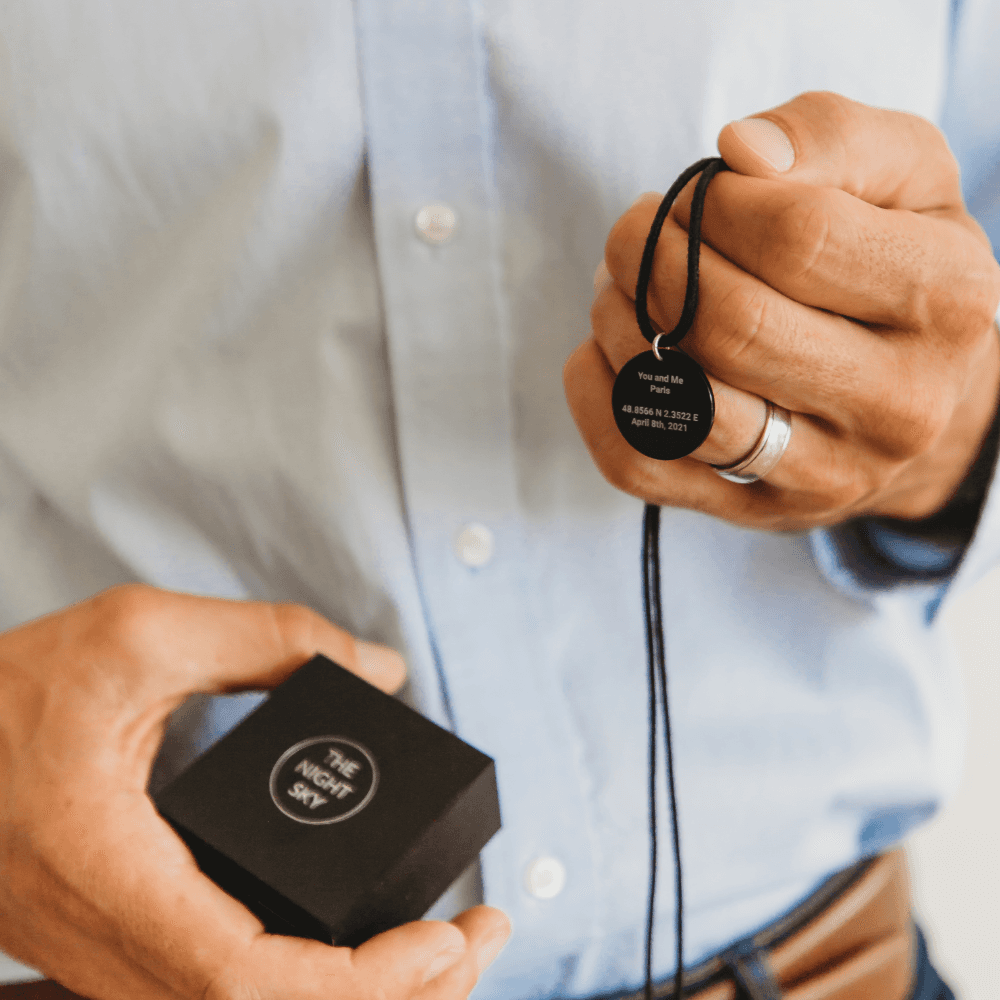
{"type": "Point", "coordinates": [766, 453]}
{"type": "Point", "coordinates": [656, 346]}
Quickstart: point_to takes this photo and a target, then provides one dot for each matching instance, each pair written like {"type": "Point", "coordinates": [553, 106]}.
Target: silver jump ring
{"type": "Point", "coordinates": [656, 346]}
{"type": "Point", "coordinates": [766, 452]}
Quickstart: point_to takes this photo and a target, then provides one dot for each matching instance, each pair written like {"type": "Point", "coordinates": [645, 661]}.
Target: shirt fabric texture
{"type": "Point", "coordinates": [229, 365]}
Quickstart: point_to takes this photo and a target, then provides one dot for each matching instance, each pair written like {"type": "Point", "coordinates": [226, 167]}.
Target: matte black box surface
{"type": "Point", "coordinates": [333, 811]}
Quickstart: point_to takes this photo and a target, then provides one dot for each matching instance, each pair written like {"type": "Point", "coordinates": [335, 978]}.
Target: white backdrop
{"type": "Point", "coordinates": [955, 859]}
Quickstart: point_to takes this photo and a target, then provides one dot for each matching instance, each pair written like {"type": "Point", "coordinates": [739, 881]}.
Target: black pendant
{"type": "Point", "coordinates": [665, 408]}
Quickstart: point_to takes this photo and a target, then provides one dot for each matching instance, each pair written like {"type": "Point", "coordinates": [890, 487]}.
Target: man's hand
{"type": "Point", "coordinates": [95, 889]}
{"type": "Point", "coordinates": [842, 278]}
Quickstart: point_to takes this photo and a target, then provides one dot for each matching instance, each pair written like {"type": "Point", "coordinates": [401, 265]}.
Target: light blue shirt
{"type": "Point", "coordinates": [230, 364]}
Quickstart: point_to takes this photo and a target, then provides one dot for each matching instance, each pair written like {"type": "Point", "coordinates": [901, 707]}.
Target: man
{"type": "Point", "coordinates": [288, 293]}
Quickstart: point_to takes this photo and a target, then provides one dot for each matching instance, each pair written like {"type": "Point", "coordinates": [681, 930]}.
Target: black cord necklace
{"type": "Point", "coordinates": [664, 407]}
{"type": "Point", "coordinates": [661, 399]}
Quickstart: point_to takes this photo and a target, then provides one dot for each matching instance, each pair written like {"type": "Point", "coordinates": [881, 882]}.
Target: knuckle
{"type": "Point", "coordinates": [617, 470]}
{"type": "Point", "coordinates": [846, 495]}
{"type": "Point", "coordinates": [982, 296]}
{"type": "Point", "coordinates": [573, 374]}
{"type": "Point", "coordinates": [829, 107]}
{"type": "Point", "coordinates": [828, 99]}
{"type": "Point", "coordinates": [232, 982]}
{"type": "Point", "coordinates": [132, 613]}
{"type": "Point", "coordinates": [623, 469]}
{"type": "Point", "coordinates": [803, 234]}
{"type": "Point", "coordinates": [837, 483]}
{"type": "Point", "coordinates": [230, 991]}
{"type": "Point", "coordinates": [849, 491]}
{"type": "Point", "coordinates": [31, 852]}
{"type": "Point", "coordinates": [838, 487]}
{"type": "Point", "coordinates": [989, 299]}
{"type": "Point", "coordinates": [936, 153]}
{"type": "Point", "coordinates": [916, 425]}
{"type": "Point", "coordinates": [599, 312]}
{"type": "Point", "coordinates": [466, 977]}
{"type": "Point", "coordinates": [743, 316]}
{"type": "Point", "coordinates": [965, 307]}
{"type": "Point", "coordinates": [926, 421]}
{"type": "Point", "coordinates": [629, 231]}
{"type": "Point", "coordinates": [20, 887]}
{"type": "Point", "coordinates": [295, 626]}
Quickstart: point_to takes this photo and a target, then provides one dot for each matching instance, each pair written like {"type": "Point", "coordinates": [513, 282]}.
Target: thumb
{"type": "Point", "coordinates": [401, 961]}
{"type": "Point", "coordinates": [395, 964]}
{"type": "Point", "coordinates": [449, 956]}
{"type": "Point", "coordinates": [223, 645]}
{"type": "Point", "coordinates": [887, 158]}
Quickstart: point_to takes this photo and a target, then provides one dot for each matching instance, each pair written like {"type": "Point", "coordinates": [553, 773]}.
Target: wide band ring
{"type": "Point", "coordinates": [766, 453]}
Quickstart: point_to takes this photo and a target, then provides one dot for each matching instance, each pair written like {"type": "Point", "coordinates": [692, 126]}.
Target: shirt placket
{"type": "Point", "coordinates": [433, 205]}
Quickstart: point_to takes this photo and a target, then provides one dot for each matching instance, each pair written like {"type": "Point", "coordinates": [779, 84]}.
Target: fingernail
{"type": "Point", "coordinates": [380, 664]}
{"type": "Point", "coordinates": [762, 137]}
{"type": "Point", "coordinates": [442, 962]}
{"type": "Point", "coordinates": [490, 950]}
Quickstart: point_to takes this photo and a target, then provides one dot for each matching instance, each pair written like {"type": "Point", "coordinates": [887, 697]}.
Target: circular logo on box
{"type": "Point", "coordinates": [322, 780]}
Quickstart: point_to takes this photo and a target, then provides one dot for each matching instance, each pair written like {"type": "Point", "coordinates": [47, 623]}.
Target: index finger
{"type": "Point", "coordinates": [246, 644]}
{"type": "Point", "coordinates": [169, 644]}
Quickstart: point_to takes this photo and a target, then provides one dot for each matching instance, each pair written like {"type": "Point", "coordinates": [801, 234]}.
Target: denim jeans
{"type": "Point", "coordinates": [929, 985]}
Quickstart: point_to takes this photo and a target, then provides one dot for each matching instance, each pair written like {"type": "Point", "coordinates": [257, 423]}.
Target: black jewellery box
{"type": "Point", "coordinates": [333, 811]}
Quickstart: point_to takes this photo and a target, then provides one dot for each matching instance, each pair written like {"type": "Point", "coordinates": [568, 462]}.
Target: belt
{"type": "Point", "coordinates": [852, 939]}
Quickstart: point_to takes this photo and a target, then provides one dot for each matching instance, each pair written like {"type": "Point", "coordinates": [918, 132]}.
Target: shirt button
{"type": "Point", "coordinates": [435, 224]}
{"type": "Point", "coordinates": [545, 877]}
{"type": "Point", "coordinates": [474, 545]}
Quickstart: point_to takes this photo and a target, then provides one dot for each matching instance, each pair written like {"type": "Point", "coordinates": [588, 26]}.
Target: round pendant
{"type": "Point", "coordinates": [665, 408]}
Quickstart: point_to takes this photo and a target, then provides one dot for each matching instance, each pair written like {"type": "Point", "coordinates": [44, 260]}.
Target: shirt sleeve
{"type": "Point", "coordinates": [962, 541]}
